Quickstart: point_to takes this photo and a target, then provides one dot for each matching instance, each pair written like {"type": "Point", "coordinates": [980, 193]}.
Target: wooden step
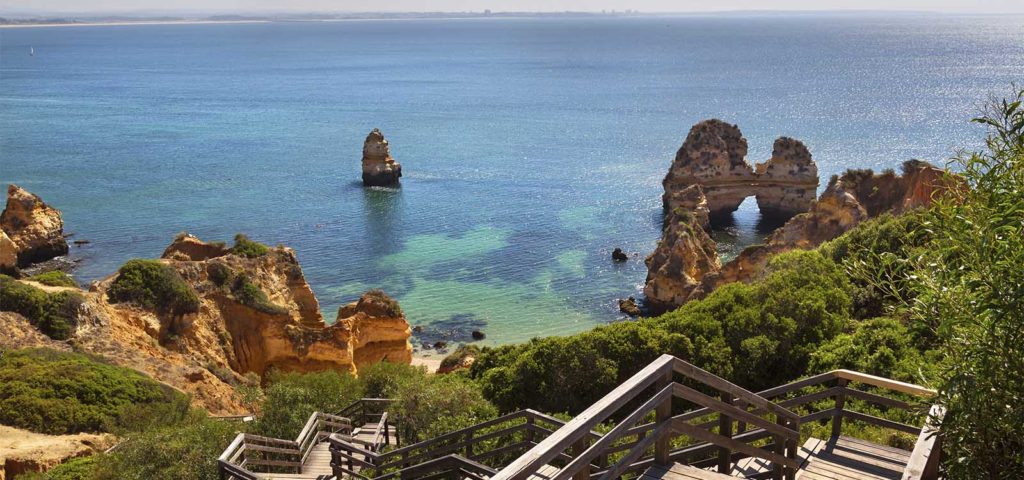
{"type": "Point", "coordinates": [681, 472]}
{"type": "Point", "coordinates": [847, 458]}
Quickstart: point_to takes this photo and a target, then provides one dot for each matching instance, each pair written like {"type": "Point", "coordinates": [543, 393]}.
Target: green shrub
{"type": "Point", "coordinates": [454, 359]}
{"type": "Point", "coordinates": [290, 398]}
{"type": "Point", "coordinates": [390, 305]}
{"type": "Point", "coordinates": [877, 254]}
{"type": "Point", "coordinates": [968, 286]}
{"type": "Point", "coordinates": [758, 335]}
{"type": "Point", "coordinates": [54, 314]}
{"type": "Point", "coordinates": [248, 294]}
{"type": "Point", "coordinates": [82, 468]}
{"type": "Point", "coordinates": [188, 449]}
{"type": "Point", "coordinates": [55, 278]}
{"type": "Point", "coordinates": [219, 274]}
{"type": "Point", "coordinates": [427, 405]}
{"type": "Point", "coordinates": [55, 392]}
{"type": "Point", "coordinates": [879, 346]}
{"type": "Point", "coordinates": [153, 285]}
{"type": "Point", "coordinates": [248, 248]}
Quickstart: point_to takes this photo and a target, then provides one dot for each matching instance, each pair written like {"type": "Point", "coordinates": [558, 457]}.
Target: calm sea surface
{"type": "Point", "coordinates": [531, 147]}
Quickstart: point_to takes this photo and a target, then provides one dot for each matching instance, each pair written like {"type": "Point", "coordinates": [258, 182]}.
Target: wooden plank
{"type": "Point", "coordinates": [886, 383]}
{"type": "Point", "coordinates": [681, 472]}
{"type": "Point", "coordinates": [879, 400]}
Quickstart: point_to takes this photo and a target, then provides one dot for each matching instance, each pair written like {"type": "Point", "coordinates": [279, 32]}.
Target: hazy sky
{"type": "Point", "coordinates": [244, 6]}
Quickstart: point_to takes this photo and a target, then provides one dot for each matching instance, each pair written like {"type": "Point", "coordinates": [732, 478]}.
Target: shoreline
{"type": "Point", "coordinates": [431, 362]}
{"type": "Point", "coordinates": [141, 22]}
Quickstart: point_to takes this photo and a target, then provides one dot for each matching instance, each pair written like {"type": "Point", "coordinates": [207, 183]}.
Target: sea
{"type": "Point", "coordinates": [531, 147]}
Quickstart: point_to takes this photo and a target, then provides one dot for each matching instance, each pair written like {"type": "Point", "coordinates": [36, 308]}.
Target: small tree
{"type": "Point", "coordinates": [969, 287]}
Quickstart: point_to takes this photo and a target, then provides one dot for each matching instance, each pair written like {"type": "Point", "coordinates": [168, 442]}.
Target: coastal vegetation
{"type": "Point", "coordinates": [153, 285]}
{"type": "Point", "coordinates": [53, 392]}
{"type": "Point", "coordinates": [55, 278]}
{"type": "Point", "coordinates": [248, 248]}
{"type": "Point", "coordinates": [52, 313]}
{"type": "Point", "coordinates": [931, 297]}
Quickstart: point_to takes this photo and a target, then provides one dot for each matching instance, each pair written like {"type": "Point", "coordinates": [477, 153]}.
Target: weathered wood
{"type": "Point", "coordinates": [837, 414]}
{"type": "Point", "coordinates": [626, 462]}
{"type": "Point", "coordinates": [725, 430]}
{"type": "Point", "coordinates": [885, 383]}
{"type": "Point", "coordinates": [924, 459]}
{"type": "Point", "coordinates": [682, 391]}
{"type": "Point", "coordinates": [548, 448]}
{"type": "Point", "coordinates": [733, 444]}
{"type": "Point", "coordinates": [722, 385]}
{"type": "Point", "coordinates": [881, 422]}
{"type": "Point", "coordinates": [662, 415]}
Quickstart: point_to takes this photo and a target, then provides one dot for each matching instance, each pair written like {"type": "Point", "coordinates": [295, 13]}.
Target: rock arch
{"type": "Point", "coordinates": [714, 157]}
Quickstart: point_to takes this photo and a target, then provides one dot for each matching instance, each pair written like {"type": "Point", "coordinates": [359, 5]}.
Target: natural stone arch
{"type": "Point", "coordinates": [714, 157]}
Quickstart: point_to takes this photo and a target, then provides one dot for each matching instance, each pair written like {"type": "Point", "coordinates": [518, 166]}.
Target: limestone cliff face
{"type": "Point", "coordinates": [379, 169]}
{"type": "Point", "coordinates": [233, 339]}
{"type": "Point", "coordinates": [714, 157]}
{"type": "Point", "coordinates": [34, 230]}
{"type": "Point", "coordinates": [849, 199]}
{"type": "Point", "coordinates": [711, 176]}
{"type": "Point", "coordinates": [684, 255]}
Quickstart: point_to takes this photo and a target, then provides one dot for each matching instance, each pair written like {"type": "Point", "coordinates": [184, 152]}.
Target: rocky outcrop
{"type": "Point", "coordinates": [379, 169]}
{"type": "Point", "coordinates": [22, 451]}
{"type": "Point", "coordinates": [33, 228]}
{"type": "Point", "coordinates": [710, 176]}
{"type": "Point", "coordinates": [850, 199]}
{"type": "Point", "coordinates": [714, 157]}
{"type": "Point", "coordinates": [188, 247]}
{"type": "Point", "coordinates": [684, 254]}
{"type": "Point", "coordinates": [255, 315]}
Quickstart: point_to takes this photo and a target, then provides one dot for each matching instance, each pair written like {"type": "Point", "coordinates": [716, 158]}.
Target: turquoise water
{"type": "Point", "coordinates": [531, 147]}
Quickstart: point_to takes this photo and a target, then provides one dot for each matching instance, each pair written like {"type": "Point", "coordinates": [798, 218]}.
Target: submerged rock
{"type": "Point", "coordinates": [33, 231]}
{"type": "Point", "coordinates": [379, 169]}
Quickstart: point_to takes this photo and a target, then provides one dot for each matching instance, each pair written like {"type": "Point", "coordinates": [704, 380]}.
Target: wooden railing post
{"type": "Point", "coordinates": [741, 426]}
{"type": "Point", "coordinates": [663, 413]}
{"type": "Point", "coordinates": [577, 449]}
{"type": "Point", "coordinates": [725, 430]}
{"type": "Point", "coordinates": [529, 427]}
{"type": "Point", "coordinates": [469, 444]}
{"type": "Point", "coordinates": [792, 446]}
{"type": "Point", "coordinates": [779, 470]}
{"type": "Point", "coordinates": [837, 416]}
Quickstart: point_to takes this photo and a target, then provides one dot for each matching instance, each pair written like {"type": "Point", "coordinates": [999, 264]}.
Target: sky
{"type": "Point", "coordinates": [267, 6]}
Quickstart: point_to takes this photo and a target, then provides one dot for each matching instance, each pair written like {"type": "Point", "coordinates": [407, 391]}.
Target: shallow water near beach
{"type": "Point", "coordinates": [531, 147]}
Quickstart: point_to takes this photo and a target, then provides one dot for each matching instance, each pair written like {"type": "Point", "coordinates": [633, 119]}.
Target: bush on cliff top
{"type": "Point", "coordinates": [52, 313]}
{"type": "Point", "coordinates": [53, 392]}
{"type": "Point", "coordinates": [55, 278]}
{"type": "Point", "coordinates": [153, 285]}
{"type": "Point", "coordinates": [248, 248]}
{"type": "Point", "coordinates": [758, 335]}
{"type": "Point", "coordinates": [248, 294]}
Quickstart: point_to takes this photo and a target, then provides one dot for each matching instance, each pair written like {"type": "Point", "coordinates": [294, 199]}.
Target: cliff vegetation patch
{"type": "Point", "coordinates": [153, 285]}
{"type": "Point", "coordinates": [248, 248]}
{"type": "Point", "coordinates": [52, 313]}
{"type": "Point", "coordinates": [55, 278]}
{"type": "Point", "coordinates": [53, 392]}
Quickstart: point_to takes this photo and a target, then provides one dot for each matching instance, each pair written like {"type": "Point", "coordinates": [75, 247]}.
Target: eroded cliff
{"type": "Point", "coordinates": [30, 230]}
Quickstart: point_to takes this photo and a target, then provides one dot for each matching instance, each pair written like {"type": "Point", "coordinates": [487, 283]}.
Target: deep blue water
{"type": "Point", "coordinates": [531, 147]}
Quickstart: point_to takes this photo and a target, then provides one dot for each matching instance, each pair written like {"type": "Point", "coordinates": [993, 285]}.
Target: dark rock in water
{"type": "Point", "coordinates": [478, 335]}
{"type": "Point", "coordinates": [629, 307]}
{"type": "Point", "coordinates": [440, 345]}
{"type": "Point", "coordinates": [81, 242]}
{"type": "Point", "coordinates": [417, 329]}
{"type": "Point", "coordinates": [426, 346]}
{"type": "Point", "coordinates": [379, 169]}
{"type": "Point", "coordinates": [619, 256]}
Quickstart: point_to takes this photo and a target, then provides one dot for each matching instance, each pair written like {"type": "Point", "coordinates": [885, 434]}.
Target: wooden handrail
{"type": "Point", "coordinates": [885, 383]}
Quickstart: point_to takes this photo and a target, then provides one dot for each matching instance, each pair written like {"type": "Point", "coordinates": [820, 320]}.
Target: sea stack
{"type": "Point", "coordinates": [379, 169]}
